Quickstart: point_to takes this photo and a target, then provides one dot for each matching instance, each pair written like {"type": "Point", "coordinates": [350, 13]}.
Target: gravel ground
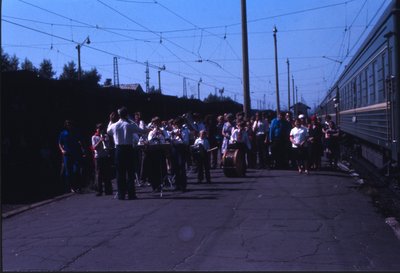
{"type": "Point", "coordinates": [383, 190]}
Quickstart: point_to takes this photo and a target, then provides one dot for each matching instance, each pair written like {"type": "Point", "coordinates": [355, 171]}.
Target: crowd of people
{"type": "Point", "coordinates": [138, 153]}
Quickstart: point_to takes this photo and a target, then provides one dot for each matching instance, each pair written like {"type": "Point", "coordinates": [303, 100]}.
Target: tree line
{"type": "Point", "coordinates": [70, 72]}
{"type": "Point", "coordinates": [46, 71]}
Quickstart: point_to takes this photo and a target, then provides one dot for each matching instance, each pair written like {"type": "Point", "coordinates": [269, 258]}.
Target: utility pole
{"type": "Point", "coordinates": [198, 88]}
{"type": "Point", "coordinates": [264, 105]}
{"type": "Point", "coordinates": [147, 77]}
{"type": "Point", "coordinates": [78, 47]}
{"type": "Point", "coordinates": [159, 77]}
{"type": "Point", "coordinates": [116, 75]}
{"type": "Point", "coordinates": [288, 77]}
{"type": "Point", "coordinates": [245, 53]}
{"type": "Point", "coordinates": [278, 110]}
{"type": "Point", "coordinates": [294, 102]}
{"type": "Point", "coordinates": [159, 81]}
{"type": "Point", "coordinates": [297, 101]}
{"type": "Point", "coordinates": [184, 88]}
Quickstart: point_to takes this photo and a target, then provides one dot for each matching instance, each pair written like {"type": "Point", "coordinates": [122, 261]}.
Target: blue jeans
{"type": "Point", "coordinates": [72, 172]}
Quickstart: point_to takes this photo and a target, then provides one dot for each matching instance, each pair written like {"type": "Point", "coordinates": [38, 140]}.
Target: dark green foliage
{"type": "Point", "coordinates": [40, 106]}
{"type": "Point", "coordinates": [46, 69]}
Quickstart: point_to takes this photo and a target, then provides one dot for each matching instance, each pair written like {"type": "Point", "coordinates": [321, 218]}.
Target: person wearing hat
{"type": "Point", "coordinates": [298, 137]}
{"type": "Point", "coordinates": [123, 130]}
{"type": "Point", "coordinates": [304, 120]}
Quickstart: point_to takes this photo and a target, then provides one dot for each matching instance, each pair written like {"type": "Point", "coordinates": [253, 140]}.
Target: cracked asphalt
{"type": "Point", "coordinates": [271, 220]}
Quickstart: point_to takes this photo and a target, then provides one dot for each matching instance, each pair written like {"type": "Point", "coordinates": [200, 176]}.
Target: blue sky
{"type": "Point", "coordinates": [196, 39]}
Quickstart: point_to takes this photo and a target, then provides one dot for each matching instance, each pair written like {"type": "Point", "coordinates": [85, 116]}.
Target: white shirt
{"type": "Point", "coordinates": [141, 124]}
{"type": "Point", "coordinates": [244, 137]}
{"type": "Point", "coordinates": [123, 132]}
{"type": "Point", "coordinates": [182, 138]}
{"type": "Point", "coordinates": [100, 150]}
{"type": "Point", "coordinates": [299, 135]}
{"type": "Point", "coordinates": [157, 136]}
{"type": "Point", "coordinates": [262, 127]}
{"type": "Point", "coordinates": [202, 141]}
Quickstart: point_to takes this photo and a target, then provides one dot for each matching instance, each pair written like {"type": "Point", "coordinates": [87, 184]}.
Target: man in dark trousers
{"type": "Point", "coordinates": [179, 153]}
{"type": "Point", "coordinates": [279, 138]}
{"type": "Point", "coordinates": [70, 144]}
{"type": "Point", "coordinates": [122, 131]}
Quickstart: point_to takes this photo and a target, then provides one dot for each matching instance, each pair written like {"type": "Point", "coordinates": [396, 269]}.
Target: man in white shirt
{"type": "Point", "coordinates": [123, 132]}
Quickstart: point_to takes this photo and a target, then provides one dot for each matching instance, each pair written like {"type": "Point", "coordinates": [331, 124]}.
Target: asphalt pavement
{"type": "Point", "coordinates": [270, 220]}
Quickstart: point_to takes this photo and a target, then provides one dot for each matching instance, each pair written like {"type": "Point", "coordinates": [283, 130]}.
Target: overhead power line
{"type": "Point", "coordinates": [79, 22]}
{"type": "Point", "coordinates": [89, 25]}
{"type": "Point", "coordinates": [100, 50]}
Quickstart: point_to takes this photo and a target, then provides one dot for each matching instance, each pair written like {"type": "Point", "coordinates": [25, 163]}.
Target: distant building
{"type": "Point", "coordinates": [300, 108]}
{"type": "Point", "coordinates": [132, 86]}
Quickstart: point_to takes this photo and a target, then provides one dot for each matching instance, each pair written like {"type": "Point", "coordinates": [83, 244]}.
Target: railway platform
{"type": "Point", "coordinates": [269, 220]}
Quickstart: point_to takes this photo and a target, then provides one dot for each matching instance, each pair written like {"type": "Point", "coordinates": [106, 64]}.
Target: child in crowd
{"type": "Point", "coordinates": [201, 147]}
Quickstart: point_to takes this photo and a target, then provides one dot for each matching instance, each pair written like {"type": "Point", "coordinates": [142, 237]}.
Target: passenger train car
{"type": "Point", "coordinates": [364, 101]}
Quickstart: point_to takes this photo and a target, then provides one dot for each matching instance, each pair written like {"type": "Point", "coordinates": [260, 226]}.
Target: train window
{"type": "Point", "coordinates": [379, 76]}
{"type": "Point", "coordinates": [350, 102]}
{"type": "Point", "coordinates": [349, 96]}
{"type": "Point", "coordinates": [385, 66]}
{"type": "Point", "coordinates": [364, 92]}
{"type": "Point", "coordinates": [372, 82]}
{"type": "Point", "coordinates": [358, 90]}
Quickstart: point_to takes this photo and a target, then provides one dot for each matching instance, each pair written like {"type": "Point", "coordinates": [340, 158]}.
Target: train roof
{"type": "Point", "coordinates": [393, 8]}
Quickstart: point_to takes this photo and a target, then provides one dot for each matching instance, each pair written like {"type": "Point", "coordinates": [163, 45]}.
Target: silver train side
{"type": "Point", "coordinates": [364, 101]}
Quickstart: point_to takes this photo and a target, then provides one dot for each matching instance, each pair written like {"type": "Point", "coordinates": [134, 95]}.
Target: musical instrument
{"type": "Point", "coordinates": [153, 164]}
{"type": "Point", "coordinates": [198, 151]}
{"type": "Point", "coordinates": [104, 137]}
{"type": "Point", "coordinates": [152, 147]}
{"type": "Point", "coordinates": [233, 163]}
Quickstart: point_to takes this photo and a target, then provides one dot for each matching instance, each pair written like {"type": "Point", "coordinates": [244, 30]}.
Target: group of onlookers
{"type": "Point", "coordinates": [282, 142]}
{"type": "Point", "coordinates": [195, 143]}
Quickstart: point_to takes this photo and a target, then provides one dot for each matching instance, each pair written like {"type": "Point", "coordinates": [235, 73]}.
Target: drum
{"type": "Point", "coordinates": [233, 163]}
